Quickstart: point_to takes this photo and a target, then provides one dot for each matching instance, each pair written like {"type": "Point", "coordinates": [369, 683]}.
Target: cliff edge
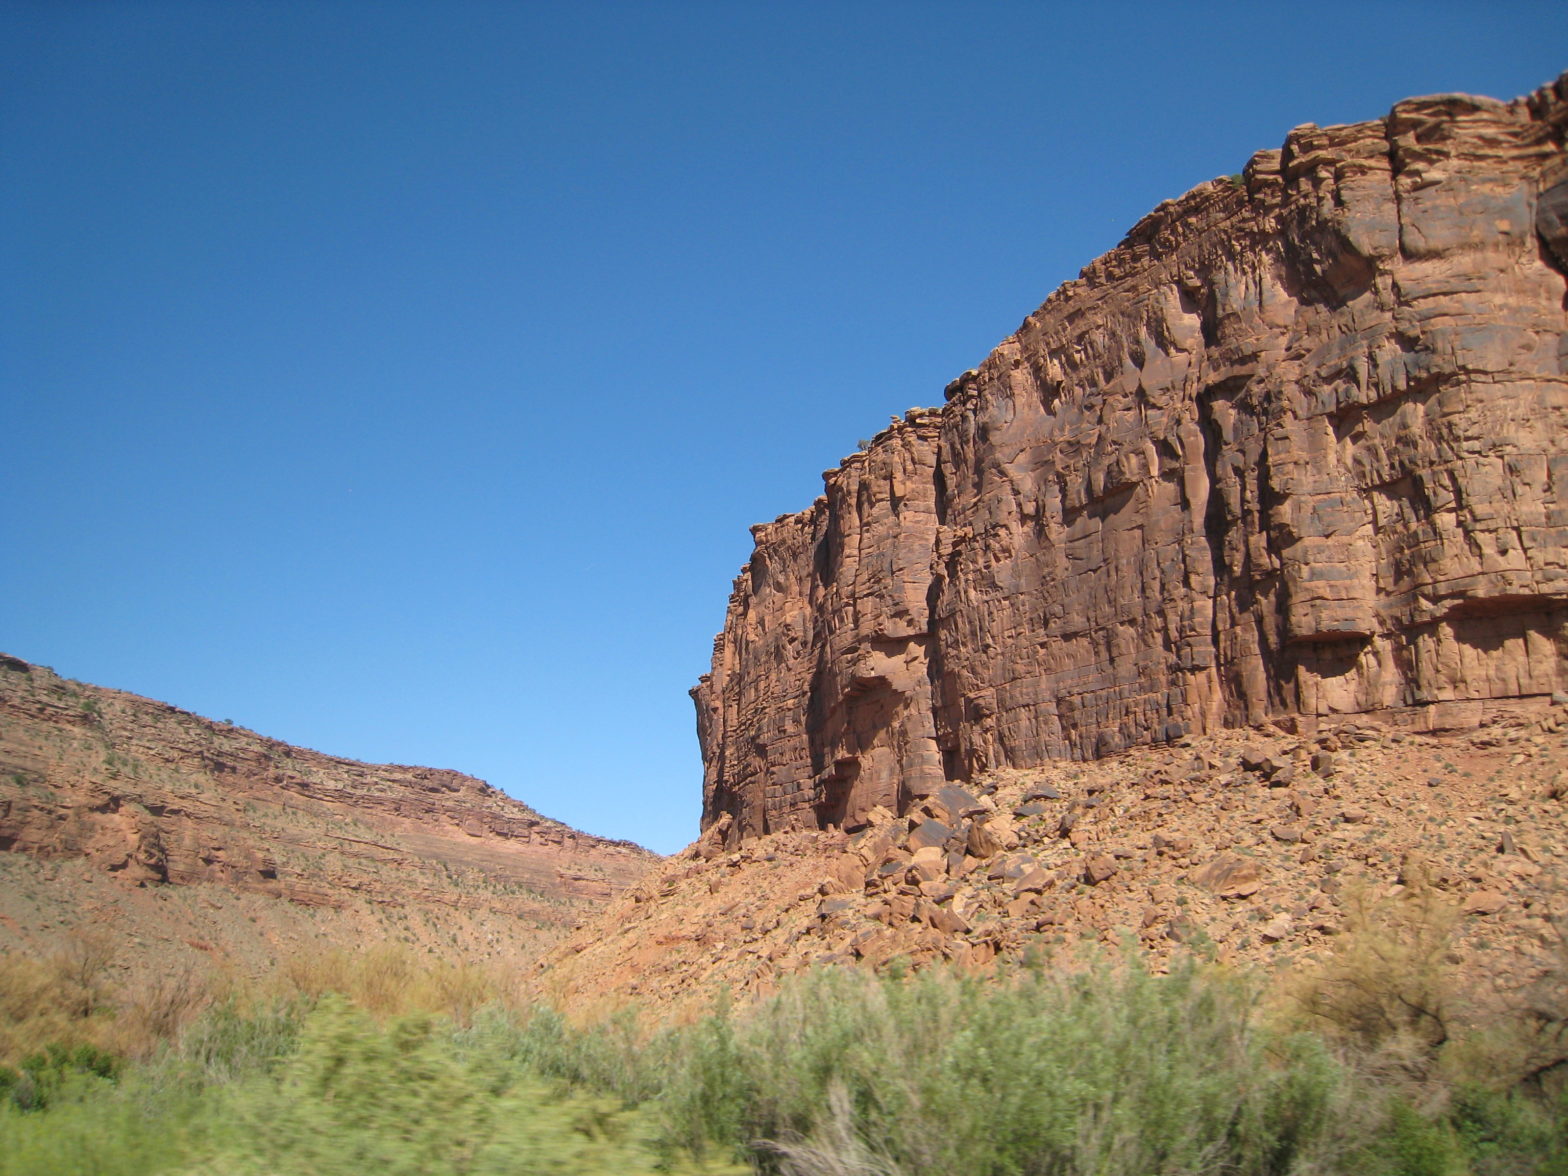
{"type": "Point", "coordinates": [1297, 448]}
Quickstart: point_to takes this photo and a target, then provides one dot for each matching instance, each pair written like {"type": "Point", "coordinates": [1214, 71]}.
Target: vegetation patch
{"type": "Point", "coordinates": [382, 1061]}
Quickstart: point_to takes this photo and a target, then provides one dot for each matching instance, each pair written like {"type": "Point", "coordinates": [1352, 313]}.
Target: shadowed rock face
{"type": "Point", "coordinates": [1297, 447]}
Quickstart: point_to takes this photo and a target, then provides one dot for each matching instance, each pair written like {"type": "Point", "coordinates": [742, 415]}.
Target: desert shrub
{"type": "Point", "coordinates": [618, 1055]}
{"type": "Point", "coordinates": [31, 1011]}
{"type": "Point", "coordinates": [153, 1011]}
{"type": "Point", "coordinates": [102, 1135]}
{"type": "Point", "coordinates": [352, 1093]}
{"type": "Point", "coordinates": [334, 1092]}
{"type": "Point", "coordinates": [1389, 988]}
{"type": "Point", "coordinates": [402, 1098]}
{"type": "Point", "coordinates": [62, 999]}
{"type": "Point", "coordinates": [1468, 1081]}
{"type": "Point", "coordinates": [1099, 1069]}
{"type": "Point", "coordinates": [1110, 1070]}
{"type": "Point", "coordinates": [70, 997]}
{"type": "Point", "coordinates": [1412, 1144]}
{"type": "Point", "coordinates": [1510, 1132]}
{"type": "Point", "coordinates": [43, 1075]}
{"type": "Point", "coordinates": [1526, 1042]}
{"type": "Point", "coordinates": [81, 968]}
{"type": "Point", "coordinates": [233, 1040]}
{"type": "Point", "coordinates": [391, 979]}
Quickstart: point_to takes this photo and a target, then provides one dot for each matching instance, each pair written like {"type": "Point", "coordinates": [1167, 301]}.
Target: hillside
{"type": "Point", "coordinates": [1260, 847]}
{"type": "Point", "coordinates": [197, 839]}
{"type": "Point", "coordinates": [1223, 607]}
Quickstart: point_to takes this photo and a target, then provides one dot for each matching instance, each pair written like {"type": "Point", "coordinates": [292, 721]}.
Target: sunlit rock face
{"type": "Point", "coordinates": [153, 795]}
{"type": "Point", "coordinates": [1297, 447]}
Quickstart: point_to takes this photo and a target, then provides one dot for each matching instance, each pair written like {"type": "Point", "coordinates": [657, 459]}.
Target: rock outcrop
{"type": "Point", "coordinates": [1260, 847]}
{"type": "Point", "coordinates": [163, 801]}
{"type": "Point", "coordinates": [1298, 447]}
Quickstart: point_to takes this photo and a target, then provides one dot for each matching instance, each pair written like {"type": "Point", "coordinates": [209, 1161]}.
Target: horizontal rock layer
{"type": "Point", "coordinates": [152, 794]}
{"type": "Point", "coordinates": [1297, 447]}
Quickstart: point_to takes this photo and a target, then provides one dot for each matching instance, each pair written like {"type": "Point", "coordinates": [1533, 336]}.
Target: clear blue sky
{"type": "Point", "coordinates": [400, 380]}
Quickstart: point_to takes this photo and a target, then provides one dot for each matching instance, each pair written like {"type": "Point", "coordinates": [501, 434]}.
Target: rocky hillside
{"type": "Point", "coordinates": [188, 834]}
{"type": "Point", "coordinates": [1262, 846]}
{"type": "Point", "coordinates": [1298, 447]}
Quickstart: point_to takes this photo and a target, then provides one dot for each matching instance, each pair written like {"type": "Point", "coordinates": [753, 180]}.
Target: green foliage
{"type": "Point", "coordinates": [1103, 1070]}
{"type": "Point", "coordinates": [1413, 1145]}
{"type": "Point", "coordinates": [347, 1096]}
{"type": "Point", "coordinates": [404, 1100]}
{"type": "Point", "coordinates": [230, 1043]}
{"type": "Point", "coordinates": [1509, 1133]}
{"type": "Point", "coordinates": [103, 1136]}
{"type": "Point", "coordinates": [613, 1056]}
{"type": "Point", "coordinates": [1110, 1071]}
{"type": "Point", "coordinates": [45, 1073]}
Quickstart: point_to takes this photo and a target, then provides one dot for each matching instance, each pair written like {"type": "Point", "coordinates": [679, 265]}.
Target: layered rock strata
{"type": "Point", "coordinates": [151, 795]}
{"type": "Point", "coordinates": [1297, 447]}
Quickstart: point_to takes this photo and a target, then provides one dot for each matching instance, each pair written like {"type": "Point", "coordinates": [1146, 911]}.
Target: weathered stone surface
{"type": "Point", "coordinates": [1197, 868]}
{"type": "Point", "coordinates": [1099, 868]}
{"type": "Point", "coordinates": [1297, 447]}
{"type": "Point", "coordinates": [953, 804]}
{"type": "Point", "coordinates": [156, 796]}
{"type": "Point", "coordinates": [1485, 902]}
{"type": "Point", "coordinates": [1229, 876]}
{"type": "Point", "coordinates": [930, 834]}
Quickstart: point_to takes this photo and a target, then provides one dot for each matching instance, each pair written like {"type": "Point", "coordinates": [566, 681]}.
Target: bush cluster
{"type": "Point", "coordinates": [1100, 1068]}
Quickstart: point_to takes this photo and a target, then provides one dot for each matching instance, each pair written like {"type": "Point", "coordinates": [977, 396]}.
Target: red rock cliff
{"type": "Point", "coordinates": [1298, 446]}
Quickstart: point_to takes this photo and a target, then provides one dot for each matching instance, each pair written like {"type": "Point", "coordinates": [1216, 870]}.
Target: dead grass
{"type": "Point", "coordinates": [70, 997]}
{"type": "Point", "coordinates": [393, 979]}
{"type": "Point", "coordinates": [74, 996]}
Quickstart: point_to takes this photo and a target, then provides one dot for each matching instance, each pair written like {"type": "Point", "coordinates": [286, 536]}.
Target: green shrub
{"type": "Point", "coordinates": [98, 1134]}
{"type": "Point", "coordinates": [1108, 1071]}
{"type": "Point", "coordinates": [1509, 1133]}
{"type": "Point", "coordinates": [229, 1042]}
{"type": "Point", "coordinates": [1102, 1070]}
{"type": "Point", "coordinates": [403, 1100]}
{"type": "Point", "coordinates": [43, 1075]}
{"type": "Point", "coordinates": [1410, 1144]}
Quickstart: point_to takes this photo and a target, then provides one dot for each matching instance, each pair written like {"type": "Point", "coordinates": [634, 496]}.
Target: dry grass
{"type": "Point", "coordinates": [70, 997]}
{"type": "Point", "coordinates": [1393, 997]}
{"type": "Point", "coordinates": [1389, 988]}
{"type": "Point", "coordinates": [74, 995]}
{"type": "Point", "coordinates": [392, 979]}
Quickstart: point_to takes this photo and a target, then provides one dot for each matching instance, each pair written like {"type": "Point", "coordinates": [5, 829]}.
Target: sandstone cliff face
{"type": "Point", "coordinates": [1297, 447]}
{"type": "Point", "coordinates": [152, 795]}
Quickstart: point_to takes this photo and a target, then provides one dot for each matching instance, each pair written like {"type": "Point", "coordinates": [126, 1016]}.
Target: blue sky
{"type": "Point", "coordinates": [400, 380]}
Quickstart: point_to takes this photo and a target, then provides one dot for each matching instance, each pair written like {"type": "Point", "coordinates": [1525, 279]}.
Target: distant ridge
{"type": "Point", "coordinates": [134, 807]}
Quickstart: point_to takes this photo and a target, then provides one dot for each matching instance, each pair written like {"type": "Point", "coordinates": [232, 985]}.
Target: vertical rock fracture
{"type": "Point", "coordinates": [1297, 447]}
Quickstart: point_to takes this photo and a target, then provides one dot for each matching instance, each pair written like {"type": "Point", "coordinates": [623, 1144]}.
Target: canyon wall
{"type": "Point", "coordinates": [1297, 447]}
